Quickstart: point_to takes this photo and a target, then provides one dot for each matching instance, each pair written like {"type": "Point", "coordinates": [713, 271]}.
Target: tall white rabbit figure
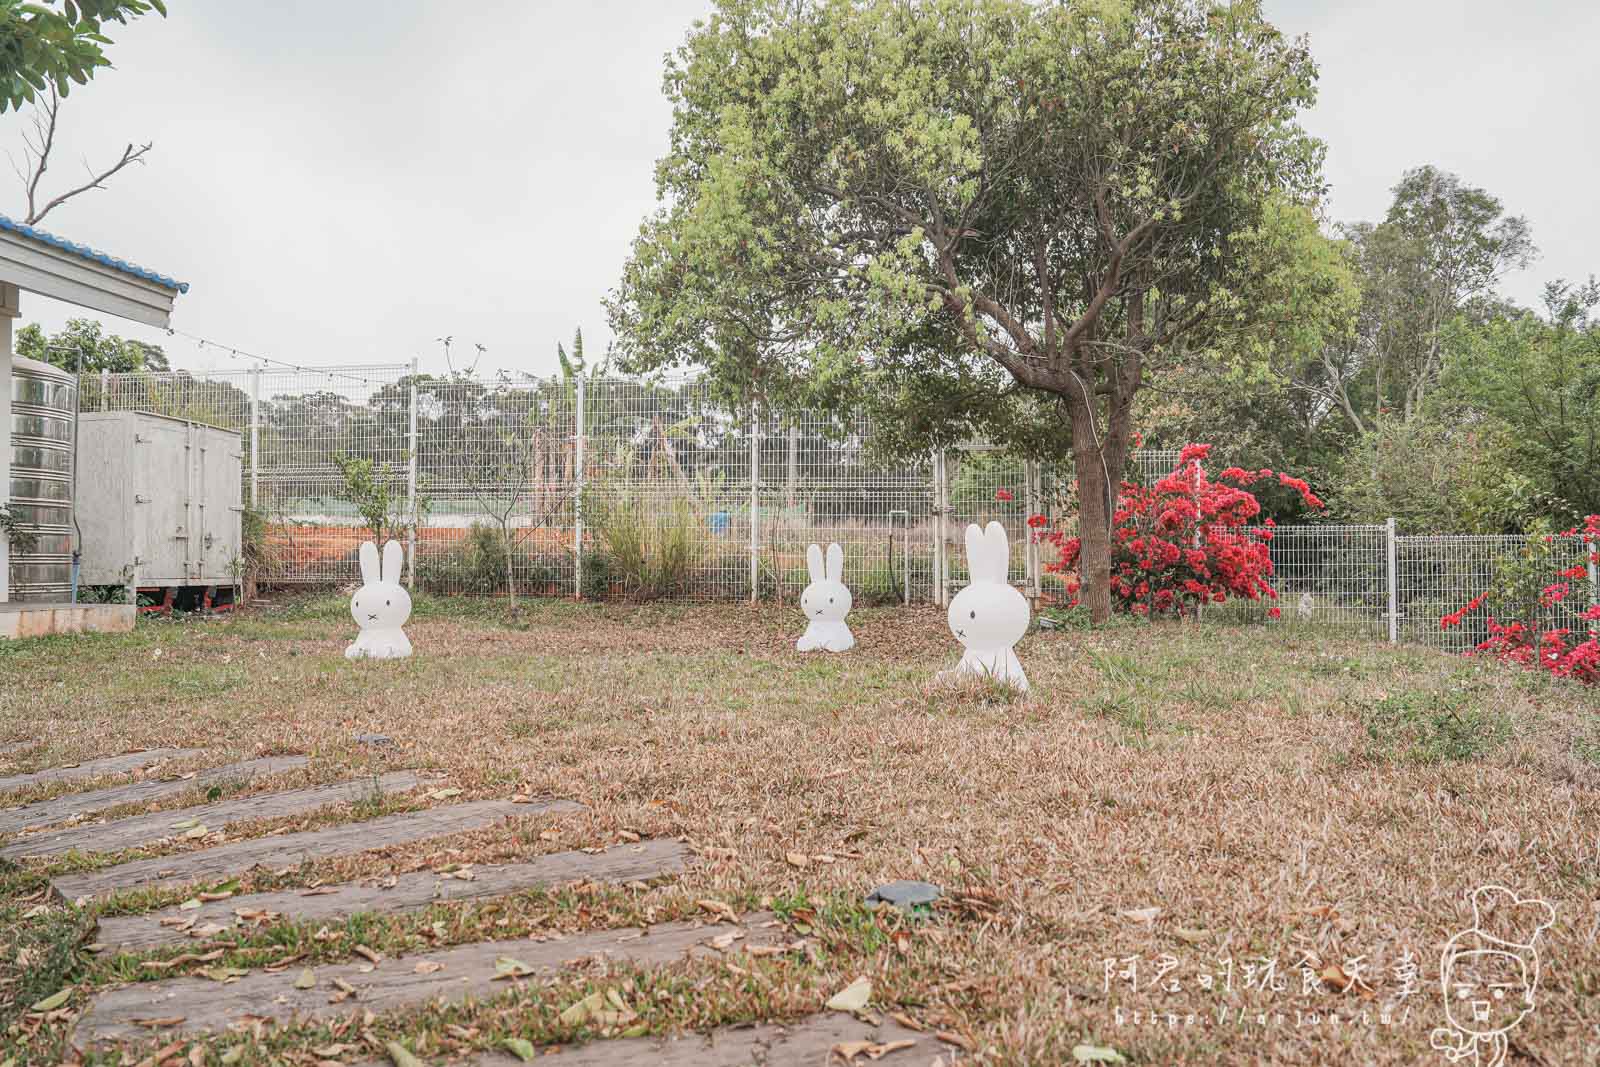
{"type": "Point", "coordinates": [381, 606]}
{"type": "Point", "coordinates": [826, 602]}
{"type": "Point", "coordinates": [989, 617]}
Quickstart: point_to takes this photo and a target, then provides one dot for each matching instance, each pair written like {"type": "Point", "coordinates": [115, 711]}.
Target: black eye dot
{"type": "Point", "coordinates": [972, 614]}
{"type": "Point", "coordinates": [385, 603]}
{"type": "Point", "coordinates": [830, 600]}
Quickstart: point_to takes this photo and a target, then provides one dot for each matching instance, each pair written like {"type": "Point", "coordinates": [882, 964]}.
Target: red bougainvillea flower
{"type": "Point", "coordinates": [1184, 541]}
{"type": "Point", "coordinates": [1273, 613]}
{"type": "Point", "coordinates": [1004, 495]}
{"type": "Point", "coordinates": [1038, 522]}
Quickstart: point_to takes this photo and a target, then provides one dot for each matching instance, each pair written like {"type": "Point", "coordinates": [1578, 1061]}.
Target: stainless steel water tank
{"type": "Point", "coordinates": [42, 405]}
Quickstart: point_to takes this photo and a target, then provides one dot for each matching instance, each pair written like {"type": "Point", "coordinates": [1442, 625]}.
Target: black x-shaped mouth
{"type": "Point", "coordinates": [818, 611]}
{"type": "Point", "coordinates": [372, 618]}
{"type": "Point", "coordinates": [961, 633]}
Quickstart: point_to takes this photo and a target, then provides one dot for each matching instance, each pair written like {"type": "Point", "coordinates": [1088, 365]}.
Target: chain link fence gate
{"type": "Point", "coordinates": [599, 487]}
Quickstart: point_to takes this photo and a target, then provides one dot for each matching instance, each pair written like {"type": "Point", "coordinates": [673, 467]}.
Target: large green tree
{"type": "Point", "coordinates": [57, 43]}
{"type": "Point", "coordinates": [83, 345]}
{"type": "Point", "coordinates": [999, 195]}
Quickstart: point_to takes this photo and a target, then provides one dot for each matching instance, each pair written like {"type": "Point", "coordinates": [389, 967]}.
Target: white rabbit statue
{"type": "Point", "coordinates": [826, 602]}
{"type": "Point", "coordinates": [381, 606]}
{"type": "Point", "coordinates": [989, 616]}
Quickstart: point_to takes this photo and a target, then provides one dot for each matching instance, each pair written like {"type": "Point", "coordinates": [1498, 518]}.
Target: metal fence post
{"type": "Point", "coordinates": [411, 476]}
{"type": "Point", "coordinates": [255, 439]}
{"type": "Point", "coordinates": [105, 390]}
{"type": "Point", "coordinates": [1592, 549]}
{"type": "Point", "coordinates": [577, 493]}
{"type": "Point", "coordinates": [1394, 585]}
{"type": "Point", "coordinates": [755, 505]}
{"type": "Point", "coordinates": [940, 567]}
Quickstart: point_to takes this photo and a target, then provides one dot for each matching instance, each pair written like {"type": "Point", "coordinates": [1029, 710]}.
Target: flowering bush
{"type": "Point", "coordinates": [1184, 541]}
{"type": "Point", "coordinates": [1521, 624]}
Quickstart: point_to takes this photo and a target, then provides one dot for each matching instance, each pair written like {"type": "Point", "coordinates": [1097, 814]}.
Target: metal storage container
{"type": "Point", "coordinates": [158, 500]}
{"type": "Point", "coordinates": [43, 399]}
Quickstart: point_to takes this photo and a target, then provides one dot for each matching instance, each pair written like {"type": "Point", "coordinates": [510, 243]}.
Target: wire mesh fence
{"type": "Point", "coordinates": [613, 487]}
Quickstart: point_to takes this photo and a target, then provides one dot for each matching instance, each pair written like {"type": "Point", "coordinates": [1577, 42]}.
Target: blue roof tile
{"type": "Point", "coordinates": [89, 253]}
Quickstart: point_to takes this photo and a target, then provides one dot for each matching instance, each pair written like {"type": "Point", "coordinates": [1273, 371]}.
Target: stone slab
{"type": "Point", "coordinates": [411, 892]}
{"type": "Point", "coordinates": [289, 850]}
{"type": "Point", "coordinates": [143, 829]}
{"type": "Point", "coordinates": [806, 1043]}
{"type": "Point", "coordinates": [62, 808]}
{"type": "Point", "coordinates": [467, 971]}
{"type": "Point", "coordinates": [18, 620]}
{"type": "Point", "coordinates": [123, 764]}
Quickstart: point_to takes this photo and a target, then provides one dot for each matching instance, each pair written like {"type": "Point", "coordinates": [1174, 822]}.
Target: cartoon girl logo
{"type": "Point", "coordinates": [1489, 972]}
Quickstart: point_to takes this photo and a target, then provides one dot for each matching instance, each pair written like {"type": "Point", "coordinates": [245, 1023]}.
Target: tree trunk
{"type": "Point", "coordinates": [1099, 459]}
{"type": "Point", "coordinates": [511, 568]}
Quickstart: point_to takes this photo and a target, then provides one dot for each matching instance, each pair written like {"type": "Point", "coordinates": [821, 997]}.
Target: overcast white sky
{"type": "Point", "coordinates": [345, 182]}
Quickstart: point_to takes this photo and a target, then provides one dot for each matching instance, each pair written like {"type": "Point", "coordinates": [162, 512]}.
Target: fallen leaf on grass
{"type": "Point", "coordinates": [849, 1050]}
{"type": "Point", "coordinates": [443, 794]}
{"type": "Point", "coordinates": [54, 1000]}
{"type": "Point", "coordinates": [190, 904]}
{"type": "Point", "coordinates": [428, 967]}
{"type": "Point", "coordinates": [1142, 915]}
{"type": "Point", "coordinates": [797, 859]}
{"type": "Point", "coordinates": [224, 974]}
{"type": "Point", "coordinates": [1087, 1053]}
{"type": "Point", "coordinates": [232, 1056]}
{"type": "Point", "coordinates": [401, 1056]}
{"type": "Point", "coordinates": [178, 961]}
{"type": "Point", "coordinates": [307, 979]}
{"type": "Point", "coordinates": [950, 1037]}
{"type": "Point", "coordinates": [852, 997]}
{"type": "Point", "coordinates": [320, 891]}
{"type": "Point", "coordinates": [159, 1022]}
{"type": "Point", "coordinates": [521, 1048]}
{"type": "Point", "coordinates": [221, 894]}
{"type": "Point", "coordinates": [370, 954]}
{"type": "Point", "coordinates": [906, 1021]}
{"type": "Point", "coordinates": [579, 1013]}
{"type": "Point", "coordinates": [1334, 978]}
{"type": "Point", "coordinates": [725, 941]}
{"type": "Point", "coordinates": [1193, 937]}
{"type": "Point", "coordinates": [719, 909]}
{"type": "Point", "coordinates": [195, 833]}
{"type": "Point", "coordinates": [629, 836]}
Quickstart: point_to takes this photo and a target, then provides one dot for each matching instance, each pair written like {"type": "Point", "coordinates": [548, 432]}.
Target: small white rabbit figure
{"type": "Point", "coordinates": [826, 602]}
{"type": "Point", "coordinates": [381, 606]}
{"type": "Point", "coordinates": [989, 616]}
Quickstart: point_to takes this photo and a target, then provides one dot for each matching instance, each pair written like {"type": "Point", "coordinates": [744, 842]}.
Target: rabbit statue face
{"type": "Point", "coordinates": [381, 603]}
{"type": "Point", "coordinates": [826, 598]}
{"type": "Point", "coordinates": [988, 615]}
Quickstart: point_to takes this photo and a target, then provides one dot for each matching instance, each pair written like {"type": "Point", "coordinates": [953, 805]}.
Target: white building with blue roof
{"type": "Point", "coordinates": [33, 261]}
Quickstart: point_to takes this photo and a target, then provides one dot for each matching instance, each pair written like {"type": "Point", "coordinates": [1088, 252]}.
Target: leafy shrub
{"type": "Point", "coordinates": [651, 551]}
{"type": "Point", "coordinates": [476, 565]}
{"type": "Point", "coordinates": [1520, 603]}
{"type": "Point", "coordinates": [1185, 541]}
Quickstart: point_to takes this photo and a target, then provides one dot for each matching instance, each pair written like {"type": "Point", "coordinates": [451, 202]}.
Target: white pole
{"type": "Point", "coordinates": [755, 506]}
{"type": "Point", "coordinates": [941, 592]}
{"type": "Point", "coordinates": [411, 476]}
{"type": "Point", "coordinates": [9, 302]}
{"type": "Point", "coordinates": [577, 498]}
{"type": "Point", "coordinates": [1394, 592]}
{"type": "Point", "coordinates": [255, 438]}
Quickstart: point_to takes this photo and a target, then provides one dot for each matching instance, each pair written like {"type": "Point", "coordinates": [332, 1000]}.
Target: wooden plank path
{"type": "Point", "coordinates": [60, 809]}
{"type": "Point", "coordinates": [465, 971]}
{"type": "Point", "coordinates": [128, 761]}
{"type": "Point", "coordinates": [806, 1043]}
{"type": "Point", "coordinates": [143, 829]}
{"type": "Point", "coordinates": [410, 892]}
{"type": "Point", "coordinates": [289, 850]}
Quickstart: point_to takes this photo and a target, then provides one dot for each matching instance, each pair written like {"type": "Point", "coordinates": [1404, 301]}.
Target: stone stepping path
{"type": "Point", "coordinates": [128, 761]}
{"type": "Point", "coordinates": [60, 809]}
{"type": "Point", "coordinates": [410, 892]}
{"type": "Point", "coordinates": [143, 829]}
{"type": "Point", "coordinates": [289, 850]}
{"type": "Point", "coordinates": [806, 1043]}
{"type": "Point", "coordinates": [467, 971]}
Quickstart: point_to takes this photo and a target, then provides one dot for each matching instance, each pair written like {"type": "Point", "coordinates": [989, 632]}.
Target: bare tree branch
{"type": "Point", "coordinates": [36, 155]}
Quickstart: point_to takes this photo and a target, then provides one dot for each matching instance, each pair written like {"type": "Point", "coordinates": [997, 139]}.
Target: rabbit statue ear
{"type": "Point", "coordinates": [977, 556]}
{"type": "Point", "coordinates": [369, 564]}
{"type": "Point", "coordinates": [814, 563]}
{"type": "Point", "coordinates": [835, 563]}
{"type": "Point", "coordinates": [394, 562]}
{"type": "Point", "coordinates": [999, 549]}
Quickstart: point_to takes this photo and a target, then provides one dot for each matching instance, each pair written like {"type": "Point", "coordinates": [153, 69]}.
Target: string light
{"type": "Point", "coordinates": [239, 353]}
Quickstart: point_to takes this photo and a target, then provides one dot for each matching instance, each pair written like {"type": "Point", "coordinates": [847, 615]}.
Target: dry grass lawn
{"type": "Point", "coordinates": [1208, 797]}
